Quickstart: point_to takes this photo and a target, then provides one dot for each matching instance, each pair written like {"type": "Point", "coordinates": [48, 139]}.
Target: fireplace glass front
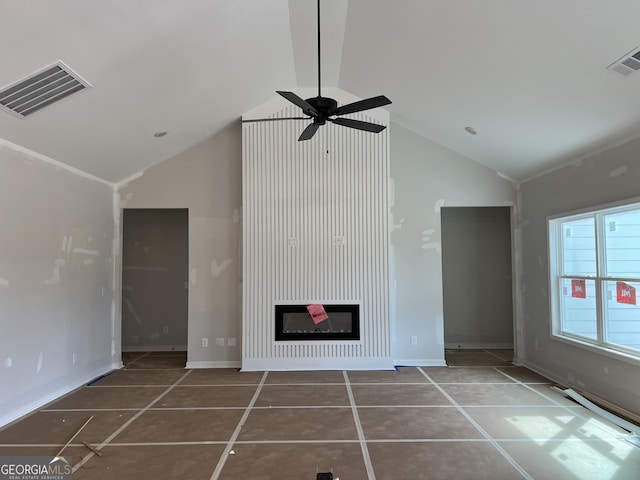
{"type": "Point", "coordinates": [294, 322]}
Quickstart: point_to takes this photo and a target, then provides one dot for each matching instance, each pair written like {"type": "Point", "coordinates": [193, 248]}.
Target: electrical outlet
{"type": "Point", "coordinates": [205, 342]}
{"type": "Point", "coordinates": [165, 329]}
{"type": "Point", "coordinates": [220, 341]}
{"type": "Point", "coordinates": [231, 342]}
{"type": "Point", "coordinates": [414, 340]}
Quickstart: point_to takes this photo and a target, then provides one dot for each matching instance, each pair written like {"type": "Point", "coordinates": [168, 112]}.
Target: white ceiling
{"type": "Point", "coordinates": [529, 76]}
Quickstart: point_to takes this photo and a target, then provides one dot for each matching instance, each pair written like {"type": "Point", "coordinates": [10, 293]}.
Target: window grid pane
{"type": "Point", "coordinates": [622, 244]}
{"type": "Point", "coordinates": [597, 274]}
{"type": "Point", "coordinates": [579, 247]}
{"type": "Point", "coordinates": [622, 325]}
{"type": "Point", "coordinates": [578, 308]}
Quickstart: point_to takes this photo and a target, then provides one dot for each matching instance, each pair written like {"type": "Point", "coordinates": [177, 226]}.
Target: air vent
{"type": "Point", "coordinates": [628, 64]}
{"type": "Point", "coordinates": [41, 89]}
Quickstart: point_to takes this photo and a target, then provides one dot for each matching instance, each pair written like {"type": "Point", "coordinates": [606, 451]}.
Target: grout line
{"type": "Point", "coordinates": [494, 355]}
{"type": "Point", "coordinates": [136, 359]}
{"type": "Point", "coordinates": [306, 407]}
{"type": "Point", "coordinates": [127, 423]}
{"type": "Point", "coordinates": [144, 369]}
{"type": "Point", "coordinates": [484, 433]}
{"type": "Point", "coordinates": [363, 441]}
{"type": "Point", "coordinates": [225, 454]}
{"type": "Point", "coordinates": [149, 385]}
{"type": "Point", "coordinates": [88, 410]}
{"type": "Point", "coordinates": [571, 439]}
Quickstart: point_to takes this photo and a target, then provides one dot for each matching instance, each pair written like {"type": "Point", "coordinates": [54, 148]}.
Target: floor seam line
{"type": "Point", "coordinates": [127, 423]}
{"type": "Point", "coordinates": [482, 431]}
{"type": "Point", "coordinates": [137, 358]}
{"type": "Point", "coordinates": [356, 418]}
{"type": "Point", "coordinates": [234, 436]}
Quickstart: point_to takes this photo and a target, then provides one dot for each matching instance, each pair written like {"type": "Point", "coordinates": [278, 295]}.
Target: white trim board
{"type": "Point", "coordinates": [219, 364]}
{"type": "Point", "coordinates": [317, 363]}
{"type": "Point", "coordinates": [419, 362]}
{"type": "Point", "coordinates": [478, 346]}
{"type": "Point", "coordinates": [156, 348]}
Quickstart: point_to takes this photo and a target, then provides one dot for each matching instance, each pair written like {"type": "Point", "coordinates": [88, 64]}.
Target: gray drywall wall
{"type": "Point", "coordinates": [155, 275]}
{"type": "Point", "coordinates": [207, 180]}
{"type": "Point", "coordinates": [427, 176]}
{"type": "Point", "coordinates": [608, 177]}
{"type": "Point", "coordinates": [55, 282]}
{"type": "Point", "coordinates": [477, 277]}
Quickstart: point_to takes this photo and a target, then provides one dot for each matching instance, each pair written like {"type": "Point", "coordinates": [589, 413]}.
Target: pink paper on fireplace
{"type": "Point", "coordinates": [317, 313]}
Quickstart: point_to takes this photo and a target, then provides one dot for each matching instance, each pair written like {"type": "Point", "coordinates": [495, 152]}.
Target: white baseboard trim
{"type": "Point", "coordinates": [34, 405]}
{"type": "Point", "coordinates": [156, 348]}
{"type": "Point", "coordinates": [478, 346]}
{"type": "Point", "coordinates": [222, 364]}
{"type": "Point", "coordinates": [419, 362]}
{"type": "Point", "coordinates": [316, 363]}
{"type": "Point", "coordinates": [545, 373]}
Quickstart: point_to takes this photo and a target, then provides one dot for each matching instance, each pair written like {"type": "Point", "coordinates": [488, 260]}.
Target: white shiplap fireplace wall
{"type": "Point", "coordinates": [315, 231]}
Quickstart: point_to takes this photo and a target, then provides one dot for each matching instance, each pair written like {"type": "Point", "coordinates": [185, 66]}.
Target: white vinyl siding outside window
{"type": "Point", "coordinates": [594, 278]}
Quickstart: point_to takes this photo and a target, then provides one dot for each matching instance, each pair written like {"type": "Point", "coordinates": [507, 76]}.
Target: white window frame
{"type": "Point", "coordinates": [556, 275]}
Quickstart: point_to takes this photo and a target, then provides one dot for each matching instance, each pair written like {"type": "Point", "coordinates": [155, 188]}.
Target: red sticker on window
{"type": "Point", "coordinates": [579, 288]}
{"type": "Point", "coordinates": [317, 313]}
{"type": "Point", "coordinates": [625, 293]}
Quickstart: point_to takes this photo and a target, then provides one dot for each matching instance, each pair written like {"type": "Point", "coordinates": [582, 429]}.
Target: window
{"type": "Point", "coordinates": [594, 276]}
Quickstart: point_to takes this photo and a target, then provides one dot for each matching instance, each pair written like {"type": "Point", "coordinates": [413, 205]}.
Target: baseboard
{"type": "Point", "coordinates": [603, 402]}
{"type": "Point", "coordinates": [420, 362]}
{"type": "Point", "coordinates": [34, 405]}
{"type": "Point", "coordinates": [223, 364]}
{"type": "Point", "coordinates": [316, 363]}
{"type": "Point", "coordinates": [479, 346]}
{"type": "Point", "coordinates": [156, 348]}
{"type": "Point", "coordinates": [546, 373]}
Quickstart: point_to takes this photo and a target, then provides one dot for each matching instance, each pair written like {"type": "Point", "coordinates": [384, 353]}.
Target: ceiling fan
{"type": "Point", "coordinates": [322, 109]}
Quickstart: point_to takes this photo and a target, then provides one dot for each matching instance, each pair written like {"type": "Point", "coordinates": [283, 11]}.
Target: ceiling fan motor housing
{"type": "Point", "coordinates": [324, 106]}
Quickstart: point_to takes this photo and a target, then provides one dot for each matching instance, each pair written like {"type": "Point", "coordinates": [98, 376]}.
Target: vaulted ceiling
{"type": "Point", "coordinates": [529, 77]}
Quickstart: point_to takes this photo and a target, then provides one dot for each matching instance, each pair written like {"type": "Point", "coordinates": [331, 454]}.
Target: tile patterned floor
{"type": "Point", "coordinates": [480, 418]}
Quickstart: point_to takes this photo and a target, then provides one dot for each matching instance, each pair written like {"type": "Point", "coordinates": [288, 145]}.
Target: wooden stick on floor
{"type": "Point", "coordinates": [74, 436]}
{"type": "Point", "coordinates": [93, 449]}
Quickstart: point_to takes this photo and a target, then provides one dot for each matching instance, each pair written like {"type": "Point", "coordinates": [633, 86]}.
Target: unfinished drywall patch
{"type": "Point", "coordinates": [4, 283]}
{"type": "Point", "coordinates": [427, 177]}
{"type": "Point", "coordinates": [428, 243]}
{"type": "Point", "coordinates": [39, 361]}
{"type": "Point", "coordinates": [8, 362]}
{"type": "Point", "coordinates": [55, 277]}
{"type": "Point", "coordinates": [616, 172]}
{"type": "Point", "coordinates": [216, 270]}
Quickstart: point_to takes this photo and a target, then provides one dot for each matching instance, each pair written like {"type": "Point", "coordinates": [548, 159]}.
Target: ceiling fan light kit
{"type": "Point", "coordinates": [322, 109]}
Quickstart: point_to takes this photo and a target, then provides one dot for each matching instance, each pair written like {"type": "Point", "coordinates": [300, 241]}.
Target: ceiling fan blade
{"type": "Point", "coordinates": [309, 132]}
{"type": "Point", "coordinates": [359, 106]}
{"type": "Point", "coordinates": [307, 109]}
{"type": "Point", "coordinates": [275, 119]}
{"type": "Point", "coordinates": [357, 124]}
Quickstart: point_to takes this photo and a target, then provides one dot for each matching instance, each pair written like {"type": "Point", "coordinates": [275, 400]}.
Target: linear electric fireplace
{"type": "Point", "coordinates": [294, 322]}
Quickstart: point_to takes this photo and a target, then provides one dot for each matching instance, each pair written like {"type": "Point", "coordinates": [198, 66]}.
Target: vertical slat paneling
{"type": "Point", "coordinates": [334, 185]}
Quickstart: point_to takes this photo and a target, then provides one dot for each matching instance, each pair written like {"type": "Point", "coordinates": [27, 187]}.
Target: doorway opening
{"type": "Point", "coordinates": [477, 277]}
{"type": "Point", "coordinates": [155, 272]}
